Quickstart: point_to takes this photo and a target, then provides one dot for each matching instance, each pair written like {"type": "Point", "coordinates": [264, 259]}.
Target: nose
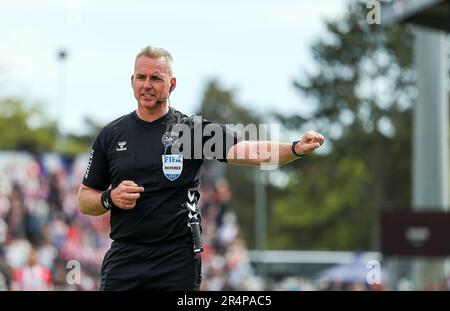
{"type": "Point", "coordinates": [147, 83]}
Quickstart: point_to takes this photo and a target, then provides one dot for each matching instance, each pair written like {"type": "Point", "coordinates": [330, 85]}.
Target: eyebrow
{"type": "Point", "coordinates": [151, 75]}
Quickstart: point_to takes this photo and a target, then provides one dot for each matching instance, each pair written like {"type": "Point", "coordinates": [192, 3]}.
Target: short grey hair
{"type": "Point", "coordinates": [156, 52]}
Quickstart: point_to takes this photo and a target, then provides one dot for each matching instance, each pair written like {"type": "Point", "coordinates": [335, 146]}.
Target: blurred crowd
{"type": "Point", "coordinates": [45, 241]}
{"type": "Point", "coordinates": [41, 228]}
{"type": "Point", "coordinates": [226, 265]}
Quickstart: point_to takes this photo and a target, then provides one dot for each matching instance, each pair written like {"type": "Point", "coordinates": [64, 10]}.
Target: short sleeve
{"type": "Point", "coordinates": [218, 139]}
{"type": "Point", "coordinates": [97, 172]}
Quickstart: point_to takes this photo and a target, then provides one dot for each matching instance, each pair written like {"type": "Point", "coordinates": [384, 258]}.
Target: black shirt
{"type": "Point", "coordinates": [129, 148]}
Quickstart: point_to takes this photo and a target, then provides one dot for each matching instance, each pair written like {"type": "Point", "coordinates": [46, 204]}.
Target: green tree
{"type": "Point", "coordinates": [28, 128]}
{"type": "Point", "coordinates": [324, 210]}
{"type": "Point", "coordinates": [80, 143]}
{"type": "Point", "coordinates": [25, 128]}
{"type": "Point", "coordinates": [361, 95]}
{"type": "Point", "coordinates": [219, 104]}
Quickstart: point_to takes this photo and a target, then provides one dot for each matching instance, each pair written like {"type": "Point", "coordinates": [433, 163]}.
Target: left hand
{"type": "Point", "coordinates": [309, 142]}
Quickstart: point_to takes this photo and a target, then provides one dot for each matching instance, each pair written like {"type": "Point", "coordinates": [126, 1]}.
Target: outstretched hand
{"type": "Point", "coordinates": [310, 141]}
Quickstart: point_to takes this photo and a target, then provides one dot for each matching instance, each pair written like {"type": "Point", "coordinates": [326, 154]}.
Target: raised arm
{"type": "Point", "coordinates": [273, 152]}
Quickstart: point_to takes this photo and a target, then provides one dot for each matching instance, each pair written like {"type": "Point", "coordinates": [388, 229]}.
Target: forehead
{"type": "Point", "coordinates": [149, 65]}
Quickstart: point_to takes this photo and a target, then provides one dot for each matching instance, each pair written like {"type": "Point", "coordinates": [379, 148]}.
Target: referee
{"type": "Point", "coordinates": [144, 169]}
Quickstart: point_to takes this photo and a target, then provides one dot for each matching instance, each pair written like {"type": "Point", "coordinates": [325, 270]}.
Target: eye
{"type": "Point", "coordinates": [156, 78]}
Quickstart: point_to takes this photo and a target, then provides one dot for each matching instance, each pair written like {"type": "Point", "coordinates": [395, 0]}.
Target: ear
{"type": "Point", "coordinates": [173, 84]}
{"type": "Point", "coordinates": [131, 79]}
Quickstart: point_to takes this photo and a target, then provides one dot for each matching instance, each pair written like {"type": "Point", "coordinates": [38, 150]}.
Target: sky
{"type": "Point", "coordinates": [255, 47]}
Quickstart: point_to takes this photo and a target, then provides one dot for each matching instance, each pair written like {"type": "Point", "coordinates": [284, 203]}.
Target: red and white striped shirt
{"type": "Point", "coordinates": [35, 278]}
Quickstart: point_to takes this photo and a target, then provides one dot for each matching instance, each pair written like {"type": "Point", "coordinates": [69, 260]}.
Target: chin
{"type": "Point", "coordinates": [148, 105]}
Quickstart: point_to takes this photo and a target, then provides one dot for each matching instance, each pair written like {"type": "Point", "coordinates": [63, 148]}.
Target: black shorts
{"type": "Point", "coordinates": [129, 266]}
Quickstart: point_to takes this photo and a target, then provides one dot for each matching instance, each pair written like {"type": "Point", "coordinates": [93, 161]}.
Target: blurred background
{"type": "Point", "coordinates": [367, 212]}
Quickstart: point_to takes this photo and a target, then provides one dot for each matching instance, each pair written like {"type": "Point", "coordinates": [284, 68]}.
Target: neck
{"type": "Point", "coordinates": [150, 115]}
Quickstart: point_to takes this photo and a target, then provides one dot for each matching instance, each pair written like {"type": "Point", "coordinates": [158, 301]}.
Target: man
{"type": "Point", "coordinates": [33, 276]}
{"type": "Point", "coordinates": [144, 168]}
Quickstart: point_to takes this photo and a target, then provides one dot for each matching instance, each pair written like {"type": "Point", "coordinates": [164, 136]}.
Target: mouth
{"type": "Point", "coordinates": [147, 97]}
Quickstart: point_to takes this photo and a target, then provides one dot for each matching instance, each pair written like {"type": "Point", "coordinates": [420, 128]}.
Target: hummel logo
{"type": "Point", "coordinates": [192, 215]}
{"type": "Point", "coordinates": [122, 146]}
{"type": "Point", "coordinates": [191, 196]}
{"type": "Point", "coordinates": [107, 204]}
{"type": "Point", "coordinates": [191, 207]}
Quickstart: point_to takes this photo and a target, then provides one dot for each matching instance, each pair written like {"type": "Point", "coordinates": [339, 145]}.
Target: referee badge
{"type": "Point", "coordinates": [172, 165]}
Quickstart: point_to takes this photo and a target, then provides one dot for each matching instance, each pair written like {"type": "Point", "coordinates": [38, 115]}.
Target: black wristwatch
{"type": "Point", "coordinates": [293, 149]}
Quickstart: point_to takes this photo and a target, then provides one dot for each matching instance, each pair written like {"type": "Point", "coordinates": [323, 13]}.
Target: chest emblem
{"type": "Point", "coordinates": [169, 138]}
{"type": "Point", "coordinates": [172, 165]}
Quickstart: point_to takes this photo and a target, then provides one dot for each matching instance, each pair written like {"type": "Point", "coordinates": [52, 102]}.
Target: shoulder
{"type": "Point", "coordinates": [191, 121]}
{"type": "Point", "coordinates": [118, 123]}
{"type": "Point", "coordinates": [113, 127]}
{"type": "Point", "coordinates": [178, 116]}
{"type": "Point", "coordinates": [178, 119]}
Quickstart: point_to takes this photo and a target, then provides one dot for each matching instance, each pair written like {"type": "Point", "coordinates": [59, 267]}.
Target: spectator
{"type": "Point", "coordinates": [33, 276]}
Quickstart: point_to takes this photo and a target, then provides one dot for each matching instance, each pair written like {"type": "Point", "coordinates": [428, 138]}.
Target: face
{"type": "Point", "coordinates": [151, 82]}
{"type": "Point", "coordinates": [33, 258]}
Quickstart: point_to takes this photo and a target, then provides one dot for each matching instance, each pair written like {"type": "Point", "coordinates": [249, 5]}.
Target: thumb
{"type": "Point", "coordinates": [138, 189]}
